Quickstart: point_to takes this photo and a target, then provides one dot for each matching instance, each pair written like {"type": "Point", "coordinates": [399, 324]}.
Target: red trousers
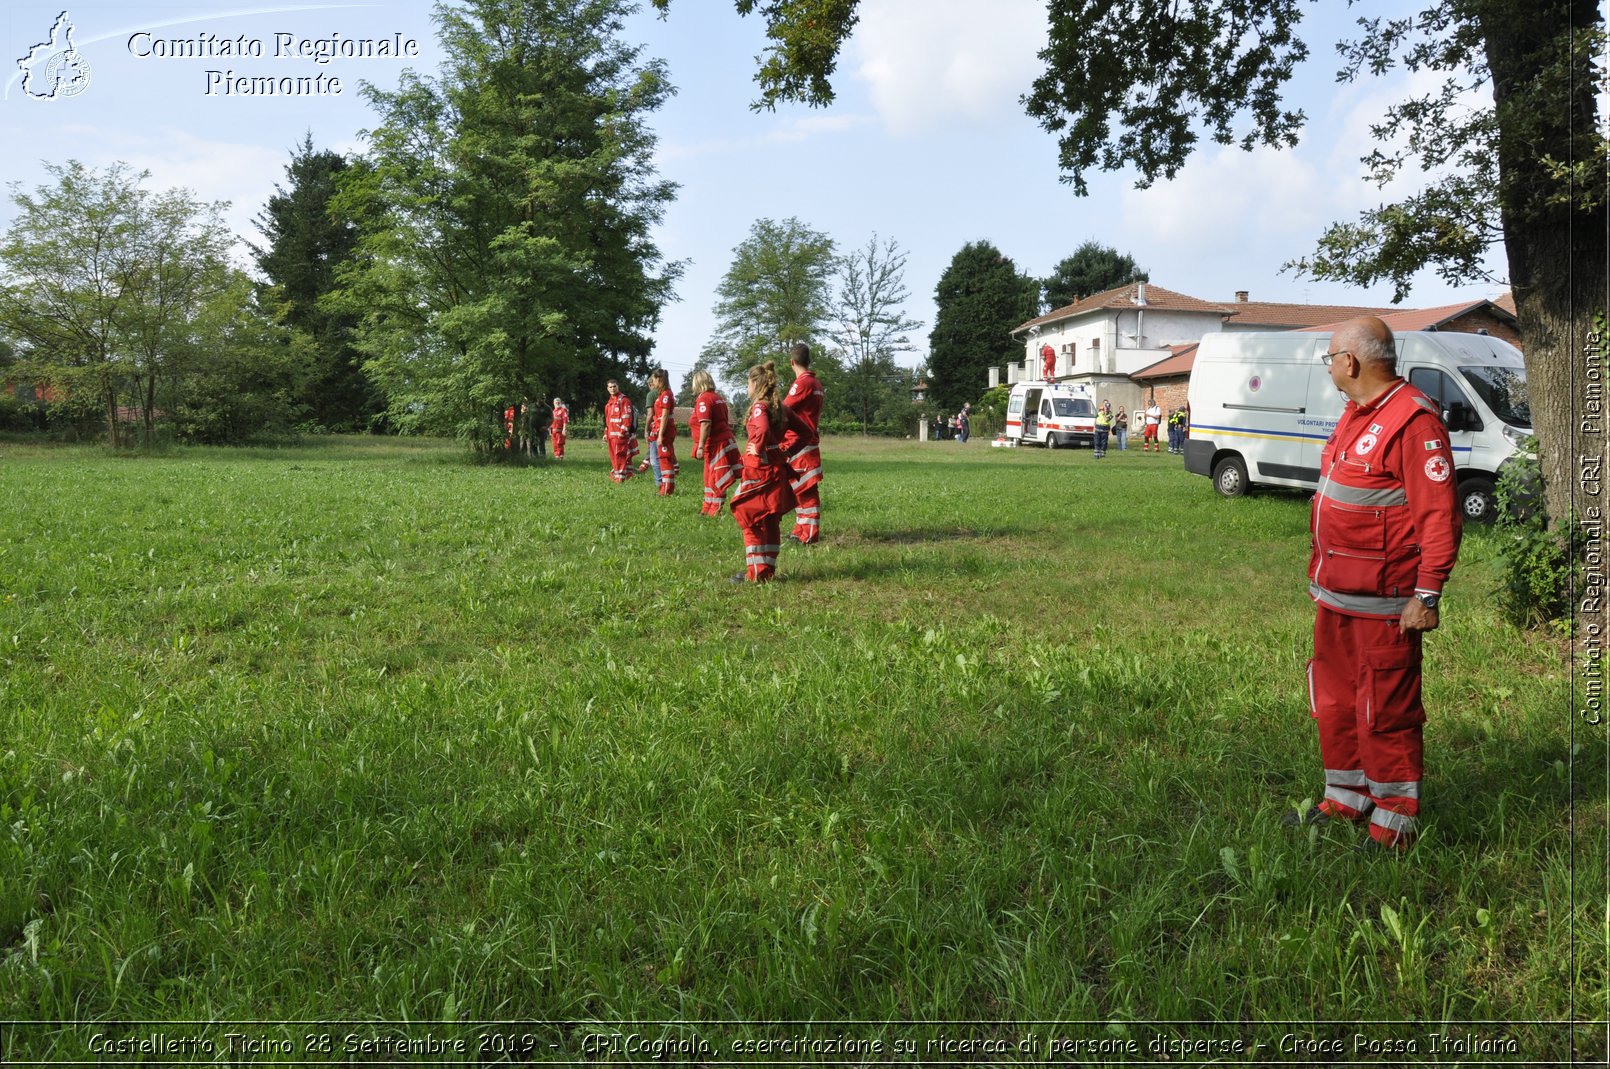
{"type": "Point", "coordinates": [721, 468]}
{"type": "Point", "coordinates": [759, 508]}
{"type": "Point", "coordinates": [620, 458]}
{"type": "Point", "coordinates": [668, 468]}
{"type": "Point", "coordinates": [1364, 689]}
{"type": "Point", "coordinates": [805, 466]}
{"type": "Point", "coordinates": [558, 444]}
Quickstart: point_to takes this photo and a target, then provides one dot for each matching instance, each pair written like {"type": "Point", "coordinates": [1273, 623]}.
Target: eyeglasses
{"type": "Point", "coordinates": [1328, 357]}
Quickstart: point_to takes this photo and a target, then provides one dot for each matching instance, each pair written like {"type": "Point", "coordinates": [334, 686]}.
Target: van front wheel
{"type": "Point", "coordinates": [1477, 501]}
{"type": "Point", "coordinates": [1230, 477]}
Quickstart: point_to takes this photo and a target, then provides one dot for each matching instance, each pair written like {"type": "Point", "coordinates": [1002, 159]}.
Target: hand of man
{"type": "Point", "coordinates": [1416, 617]}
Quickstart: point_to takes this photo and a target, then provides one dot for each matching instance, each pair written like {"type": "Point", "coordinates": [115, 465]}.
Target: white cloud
{"type": "Point", "coordinates": [1229, 195]}
{"type": "Point", "coordinates": [936, 63]}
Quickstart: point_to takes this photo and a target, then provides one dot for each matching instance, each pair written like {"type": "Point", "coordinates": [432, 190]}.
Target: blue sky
{"type": "Point", "coordinates": [926, 144]}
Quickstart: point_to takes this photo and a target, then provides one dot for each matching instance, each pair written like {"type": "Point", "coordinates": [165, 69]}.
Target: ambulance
{"type": "Point", "coordinates": [1051, 414]}
{"type": "Point", "coordinates": [1263, 405]}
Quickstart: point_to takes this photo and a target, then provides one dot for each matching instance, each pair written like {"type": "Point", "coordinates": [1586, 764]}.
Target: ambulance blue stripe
{"type": "Point", "coordinates": [1269, 432]}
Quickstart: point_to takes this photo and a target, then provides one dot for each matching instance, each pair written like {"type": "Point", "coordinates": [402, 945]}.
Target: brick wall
{"type": "Point", "coordinates": [1482, 319]}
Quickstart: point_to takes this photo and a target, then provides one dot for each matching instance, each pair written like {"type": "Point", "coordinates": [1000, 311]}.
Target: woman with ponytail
{"type": "Point", "coordinates": [763, 496]}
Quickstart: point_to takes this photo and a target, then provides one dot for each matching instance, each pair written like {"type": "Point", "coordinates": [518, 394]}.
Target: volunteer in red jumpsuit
{"type": "Point", "coordinates": [662, 431]}
{"type": "Point", "coordinates": [561, 420]}
{"type": "Point", "coordinates": [763, 496]}
{"type": "Point", "coordinates": [508, 427]}
{"type": "Point", "coordinates": [618, 433]}
{"type": "Point", "coordinates": [1386, 529]}
{"type": "Point", "coordinates": [1048, 358]}
{"type": "Point", "coordinates": [713, 442]}
{"type": "Point", "coordinates": [802, 446]}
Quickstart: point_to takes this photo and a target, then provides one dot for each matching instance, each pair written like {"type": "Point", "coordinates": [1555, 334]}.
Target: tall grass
{"type": "Point", "coordinates": [357, 732]}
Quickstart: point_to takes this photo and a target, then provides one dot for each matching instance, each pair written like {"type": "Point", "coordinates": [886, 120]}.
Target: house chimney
{"type": "Point", "coordinates": [1241, 296]}
{"type": "Point", "coordinates": [1140, 293]}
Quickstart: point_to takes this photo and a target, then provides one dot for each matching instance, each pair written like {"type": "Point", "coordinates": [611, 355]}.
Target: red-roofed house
{"type": "Point", "coordinates": [1129, 342]}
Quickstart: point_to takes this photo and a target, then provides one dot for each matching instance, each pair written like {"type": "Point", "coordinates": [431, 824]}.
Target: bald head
{"type": "Point", "coordinates": [1369, 339]}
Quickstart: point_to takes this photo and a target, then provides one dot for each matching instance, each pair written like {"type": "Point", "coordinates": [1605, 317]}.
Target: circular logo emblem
{"type": "Point", "coordinates": [1364, 444]}
{"type": "Point", "coordinates": [1438, 469]}
{"type": "Point", "coordinates": [66, 74]}
{"type": "Point", "coordinates": [1255, 383]}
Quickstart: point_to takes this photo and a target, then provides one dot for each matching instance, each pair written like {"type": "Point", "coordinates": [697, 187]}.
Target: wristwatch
{"type": "Point", "coordinates": [1430, 601]}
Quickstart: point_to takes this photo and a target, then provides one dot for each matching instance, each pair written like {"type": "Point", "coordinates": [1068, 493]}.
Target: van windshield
{"type": "Point", "coordinates": [1504, 390]}
{"type": "Point", "coordinates": [1074, 406]}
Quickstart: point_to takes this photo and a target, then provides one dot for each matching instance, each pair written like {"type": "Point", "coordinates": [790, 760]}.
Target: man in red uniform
{"type": "Point", "coordinates": [802, 446]}
{"type": "Point", "coordinates": [618, 432]}
{"type": "Point", "coordinates": [1048, 358]}
{"type": "Point", "coordinates": [1386, 529]}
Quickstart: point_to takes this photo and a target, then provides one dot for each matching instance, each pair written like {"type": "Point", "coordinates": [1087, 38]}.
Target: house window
{"type": "Point", "coordinates": [1095, 343]}
{"type": "Point", "coordinates": [1072, 351]}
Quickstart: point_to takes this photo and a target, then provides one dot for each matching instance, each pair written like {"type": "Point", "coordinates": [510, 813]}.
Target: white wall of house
{"type": "Point", "coordinates": [1110, 341]}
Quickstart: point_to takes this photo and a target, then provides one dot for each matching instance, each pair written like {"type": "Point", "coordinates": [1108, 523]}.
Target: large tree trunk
{"type": "Point", "coordinates": [1543, 90]}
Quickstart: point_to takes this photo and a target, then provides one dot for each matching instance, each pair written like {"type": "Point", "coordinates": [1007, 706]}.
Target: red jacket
{"type": "Point", "coordinates": [710, 407]}
{"type": "Point", "coordinates": [664, 409]}
{"type": "Point", "coordinates": [1385, 519]}
{"type": "Point", "coordinates": [804, 399]}
{"type": "Point", "coordinates": [617, 416]}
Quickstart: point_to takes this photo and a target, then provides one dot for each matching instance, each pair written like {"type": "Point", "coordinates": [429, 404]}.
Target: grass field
{"type": "Point", "coordinates": [357, 732]}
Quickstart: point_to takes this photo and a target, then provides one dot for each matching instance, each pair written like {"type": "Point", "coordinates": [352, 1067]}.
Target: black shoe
{"type": "Point", "coordinates": [1315, 817]}
{"type": "Point", "coordinates": [739, 578]}
{"type": "Point", "coordinates": [795, 539]}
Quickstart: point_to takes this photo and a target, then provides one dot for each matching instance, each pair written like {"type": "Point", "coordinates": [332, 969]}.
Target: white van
{"type": "Point", "coordinates": [1262, 406]}
{"type": "Point", "coordinates": [1050, 414]}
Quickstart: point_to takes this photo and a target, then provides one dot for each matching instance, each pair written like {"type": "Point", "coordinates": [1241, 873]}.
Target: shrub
{"type": "Point", "coordinates": [1537, 564]}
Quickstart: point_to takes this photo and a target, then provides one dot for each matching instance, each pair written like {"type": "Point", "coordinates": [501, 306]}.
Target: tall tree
{"type": "Point", "coordinates": [777, 292]}
{"type": "Point", "coordinates": [306, 243]}
{"type": "Point", "coordinates": [981, 297]}
{"type": "Point", "coordinates": [507, 212]}
{"type": "Point", "coordinates": [1092, 268]}
{"type": "Point", "coordinates": [872, 324]}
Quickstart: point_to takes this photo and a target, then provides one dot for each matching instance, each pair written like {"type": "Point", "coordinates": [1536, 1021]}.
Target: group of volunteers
{"type": "Point", "coordinates": [778, 471]}
{"type": "Point", "coordinates": [1385, 530]}
{"type": "Point", "coordinates": [1115, 426]}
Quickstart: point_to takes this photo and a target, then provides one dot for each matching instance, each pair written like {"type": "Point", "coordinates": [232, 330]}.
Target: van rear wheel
{"type": "Point", "coordinates": [1230, 477]}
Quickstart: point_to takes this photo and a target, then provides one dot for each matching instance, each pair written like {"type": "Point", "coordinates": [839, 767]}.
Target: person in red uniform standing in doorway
{"type": "Point", "coordinates": [662, 431]}
{"type": "Point", "coordinates": [802, 446]}
{"type": "Point", "coordinates": [618, 432]}
{"type": "Point", "coordinates": [713, 442]}
{"type": "Point", "coordinates": [561, 420]}
{"type": "Point", "coordinates": [1386, 527]}
{"type": "Point", "coordinates": [1048, 361]}
{"type": "Point", "coordinates": [763, 495]}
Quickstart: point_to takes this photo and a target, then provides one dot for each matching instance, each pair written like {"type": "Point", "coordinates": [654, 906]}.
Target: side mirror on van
{"type": "Point", "coordinates": [1459, 416]}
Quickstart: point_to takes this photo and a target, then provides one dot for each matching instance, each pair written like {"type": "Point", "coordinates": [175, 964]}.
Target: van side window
{"type": "Point", "coordinates": [1456, 407]}
{"type": "Point", "coordinates": [1045, 408]}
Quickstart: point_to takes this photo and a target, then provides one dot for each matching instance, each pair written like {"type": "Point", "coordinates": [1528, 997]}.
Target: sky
{"type": "Point", "coordinates": [926, 144]}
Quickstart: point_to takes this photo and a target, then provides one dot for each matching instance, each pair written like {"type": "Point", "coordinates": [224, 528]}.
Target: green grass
{"type": "Point", "coordinates": [356, 731]}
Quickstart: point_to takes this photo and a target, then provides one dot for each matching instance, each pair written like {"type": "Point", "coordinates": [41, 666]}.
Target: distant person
{"type": "Point", "coordinates": [559, 426]}
{"type": "Point", "coordinates": [1104, 423]}
{"type": "Point", "coordinates": [618, 437]}
{"type": "Point", "coordinates": [1120, 427]}
{"type": "Point", "coordinates": [509, 415]}
{"type": "Point", "coordinates": [713, 442]}
{"type": "Point", "coordinates": [1176, 430]}
{"type": "Point", "coordinates": [1048, 362]}
{"type": "Point", "coordinates": [763, 496]}
{"type": "Point", "coordinates": [802, 445]}
{"type": "Point", "coordinates": [1385, 527]}
{"type": "Point", "coordinates": [964, 421]}
{"type": "Point", "coordinates": [1154, 419]}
